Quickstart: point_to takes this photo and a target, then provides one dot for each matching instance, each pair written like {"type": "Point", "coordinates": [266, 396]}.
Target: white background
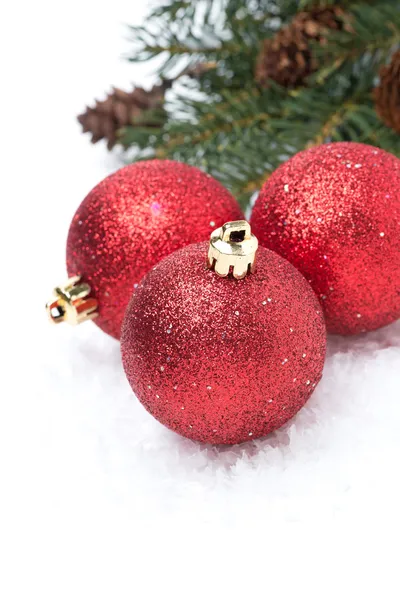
{"type": "Point", "coordinates": [98, 501]}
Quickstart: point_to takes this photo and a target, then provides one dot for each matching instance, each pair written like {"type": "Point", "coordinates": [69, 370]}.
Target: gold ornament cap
{"type": "Point", "coordinates": [232, 250]}
{"type": "Point", "coordinates": [72, 303]}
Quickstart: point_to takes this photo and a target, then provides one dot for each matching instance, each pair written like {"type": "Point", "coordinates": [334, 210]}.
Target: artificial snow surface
{"type": "Point", "coordinates": [98, 500]}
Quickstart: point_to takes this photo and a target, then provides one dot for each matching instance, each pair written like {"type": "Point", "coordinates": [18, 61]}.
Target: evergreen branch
{"type": "Point", "coordinates": [367, 29]}
{"type": "Point", "coordinates": [332, 124]}
{"type": "Point", "coordinates": [240, 133]}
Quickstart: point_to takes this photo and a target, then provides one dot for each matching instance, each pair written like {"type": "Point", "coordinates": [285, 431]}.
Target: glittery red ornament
{"type": "Point", "coordinates": [135, 217]}
{"type": "Point", "coordinates": [334, 212]}
{"type": "Point", "coordinates": [221, 360]}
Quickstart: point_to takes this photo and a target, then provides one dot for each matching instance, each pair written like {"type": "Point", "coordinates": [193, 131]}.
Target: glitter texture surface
{"type": "Point", "coordinates": [220, 360]}
{"type": "Point", "coordinates": [135, 217]}
{"type": "Point", "coordinates": [334, 212]}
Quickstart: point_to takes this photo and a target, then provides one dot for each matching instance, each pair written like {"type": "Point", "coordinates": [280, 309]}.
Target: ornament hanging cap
{"type": "Point", "coordinates": [72, 303]}
{"type": "Point", "coordinates": [232, 250]}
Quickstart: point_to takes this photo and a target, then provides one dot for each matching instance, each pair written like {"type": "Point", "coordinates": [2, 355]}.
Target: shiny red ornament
{"type": "Point", "coordinates": [135, 217]}
{"type": "Point", "coordinates": [333, 211]}
{"type": "Point", "coordinates": [220, 360]}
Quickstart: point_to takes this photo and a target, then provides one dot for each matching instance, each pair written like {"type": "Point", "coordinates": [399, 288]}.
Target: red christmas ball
{"type": "Point", "coordinates": [334, 212]}
{"type": "Point", "coordinates": [221, 360]}
{"type": "Point", "coordinates": [135, 217]}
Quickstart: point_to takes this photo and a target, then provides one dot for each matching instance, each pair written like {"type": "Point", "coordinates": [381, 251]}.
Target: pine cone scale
{"type": "Point", "coordinates": [287, 58]}
{"type": "Point", "coordinates": [120, 109]}
{"type": "Point", "coordinates": [387, 94]}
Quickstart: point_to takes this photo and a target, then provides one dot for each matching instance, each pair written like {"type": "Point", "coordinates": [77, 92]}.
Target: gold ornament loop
{"type": "Point", "coordinates": [72, 303]}
{"type": "Point", "coordinates": [232, 250]}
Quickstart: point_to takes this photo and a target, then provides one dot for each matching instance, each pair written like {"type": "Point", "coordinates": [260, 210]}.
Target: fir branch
{"type": "Point", "coordinates": [228, 31]}
{"type": "Point", "coordinates": [234, 130]}
{"type": "Point", "coordinates": [367, 29]}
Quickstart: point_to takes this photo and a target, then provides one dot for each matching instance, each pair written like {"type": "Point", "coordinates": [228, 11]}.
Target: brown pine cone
{"type": "Point", "coordinates": [287, 58]}
{"type": "Point", "coordinates": [387, 94]}
{"type": "Point", "coordinates": [121, 109]}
